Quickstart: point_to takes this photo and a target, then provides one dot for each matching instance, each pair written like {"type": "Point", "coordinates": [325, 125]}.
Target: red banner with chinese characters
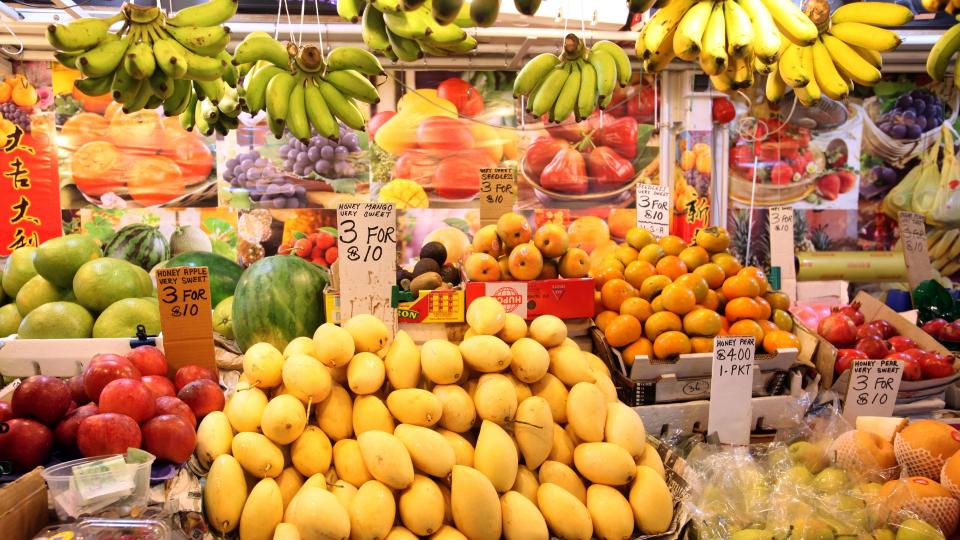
{"type": "Point", "coordinates": [30, 192]}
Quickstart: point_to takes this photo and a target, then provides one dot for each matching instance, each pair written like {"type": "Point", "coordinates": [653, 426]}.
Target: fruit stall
{"type": "Point", "coordinates": [480, 269]}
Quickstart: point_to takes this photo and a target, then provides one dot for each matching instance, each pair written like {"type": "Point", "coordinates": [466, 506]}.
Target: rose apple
{"type": "Point", "coordinates": [172, 405]}
{"type": "Point", "coordinates": [911, 368]}
{"type": "Point", "coordinates": [190, 373]}
{"type": "Point", "coordinates": [43, 398]}
{"type": "Point", "coordinates": [129, 397]}
{"type": "Point", "coordinates": [169, 437]}
{"type": "Point", "coordinates": [107, 433]}
{"type": "Point", "coordinates": [101, 372]}
{"type": "Point", "coordinates": [149, 360]}
{"type": "Point", "coordinates": [26, 444]}
{"type": "Point", "coordinates": [66, 431]}
{"type": "Point", "coordinates": [873, 347]}
{"type": "Point", "coordinates": [463, 95]}
{"type": "Point", "coordinates": [77, 392]}
{"type": "Point", "coordinates": [901, 343]}
{"type": "Point", "coordinates": [202, 396]}
{"type": "Point", "coordinates": [378, 120]}
{"type": "Point", "coordinates": [444, 133]}
{"type": "Point", "coordinates": [934, 327]}
{"type": "Point", "coordinates": [159, 386]}
{"type": "Point", "coordinates": [933, 366]}
{"type": "Point", "coordinates": [845, 358]}
{"type": "Point", "coordinates": [6, 411]}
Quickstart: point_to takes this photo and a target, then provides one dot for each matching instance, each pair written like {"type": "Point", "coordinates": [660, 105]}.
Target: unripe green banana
{"type": "Point", "coordinates": [353, 85]}
{"type": "Point", "coordinates": [125, 88]}
{"type": "Point", "coordinates": [169, 58]}
{"type": "Point", "coordinates": [203, 40]}
{"type": "Point", "coordinates": [355, 58]}
{"type": "Point", "coordinates": [319, 114]}
{"type": "Point", "coordinates": [278, 95]}
{"type": "Point", "coordinates": [210, 13]}
{"type": "Point", "coordinates": [533, 72]}
{"type": "Point", "coordinates": [340, 106]}
{"type": "Point", "coordinates": [103, 59]}
{"type": "Point", "coordinates": [297, 121]}
{"type": "Point", "coordinates": [261, 48]}
{"type": "Point", "coordinates": [188, 116]}
{"type": "Point", "coordinates": [94, 86]}
{"type": "Point", "coordinates": [255, 87]}
{"type": "Point", "coordinates": [550, 90]}
{"type": "Point", "coordinates": [139, 61]}
{"type": "Point", "coordinates": [373, 29]}
{"type": "Point", "coordinates": [567, 100]}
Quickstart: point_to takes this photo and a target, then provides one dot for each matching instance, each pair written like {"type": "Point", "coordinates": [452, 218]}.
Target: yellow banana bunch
{"type": "Point", "coordinates": [856, 37]}
{"type": "Point", "coordinates": [408, 30]}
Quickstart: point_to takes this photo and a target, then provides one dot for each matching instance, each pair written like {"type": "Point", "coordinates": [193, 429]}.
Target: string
{"type": "Point", "coordinates": [15, 36]}
{"type": "Point", "coordinates": [303, 7]}
{"type": "Point", "coordinates": [276, 25]}
{"type": "Point", "coordinates": [286, 9]}
{"type": "Point", "coordinates": [316, 7]}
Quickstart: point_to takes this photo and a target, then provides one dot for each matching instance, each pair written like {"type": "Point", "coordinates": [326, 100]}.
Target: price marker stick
{"type": "Point", "coordinates": [367, 244]}
{"type": "Point", "coordinates": [186, 316]}
{"type": "Point", "coordinates": [653, 209]}
{"type": "Point", "coordinates": [731, 389]}
{"type": "Point", "coordinates": [498, 193]}
{"type": "Point", "coordinates": [913, 236]}
{"type": "Point", "coordinates": [873, 388]}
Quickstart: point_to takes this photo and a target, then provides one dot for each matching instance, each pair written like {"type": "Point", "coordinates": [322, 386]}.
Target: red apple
{"type": "Point", "coordinates": [934, 367]}
{"type": "Point", "coordinates": [188, 374]}
{"type": "Point", "coordinates": [149, 360]}
{"type": "Point", "coordinates": [203, 396]}
{"type": "Point", "coordinates": [6, 411]}
{"type": "Point", "coordinates": [101, 372]}
{"type": "Point", "coordinates": [130, 397]}
{"type": "Point", "coordinates": [43, 398]}
{"type": "Point", "coordinates": [159, 385]}
{"type": "Point", "coordinates": [107, 433]}
{"type": "Point", "coordinates": [911, 368]}
{"type": "Point", "coordinates": [169, 437]}
{"type": "Point", "coordinates": [901, 343]}
{"type": "Point", "coordinates": [951, 332]}
{"type": "Point", "coordinates": [172, 405]}
{"type": "Point", "coordinates": [66, 431]}
{"type": "Point", "coordinates": [885, 328]}
{"type": "Point", "coordinates": [873, 347]}
{"type": "Point", "coordinates": [845, 358]}
{"type": "Point", "coordinates": [26, 444]}
{"type": "Point", "coordinates": [866, 330]}
{"type": "Point", "coordinates": [77, 391]}
{"type": "Point", "coordinates": [934, 327]}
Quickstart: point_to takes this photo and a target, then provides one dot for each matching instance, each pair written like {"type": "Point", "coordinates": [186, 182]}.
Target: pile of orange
{"type": "Point", "coordinates": [666, 298]}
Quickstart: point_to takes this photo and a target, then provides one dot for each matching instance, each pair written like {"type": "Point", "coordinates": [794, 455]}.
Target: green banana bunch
{"type": "Point", "coordinates": [577, 81]}
{"type": "Point", "coordinates": [407, 30]}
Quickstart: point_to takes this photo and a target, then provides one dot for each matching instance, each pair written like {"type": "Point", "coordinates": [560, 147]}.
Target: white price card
{"type": "Point", "coordinates": [653, 209]}
{"type": "Point", "coordinates": [498, 193]}
{"type": "Point", "coordinates": [913, 237]}
{"type": "Point", "coordinates": [873, 388]}
{"type": "Point", "coordinates": [367, 246]}
{"type": "Point", "coordinates": [782, 248]}
{"type": "Point", "coordinates": [731, 389]}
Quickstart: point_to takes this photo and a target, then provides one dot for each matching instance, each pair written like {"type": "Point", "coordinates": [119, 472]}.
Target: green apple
{"type": "Point", "coordinates": [915, 529]}
{"type": "Point", "coordinates": [811, 529]}
{"type": "Point", "coordinates": [883, 534]}
{"type": "Point", "coordinates": [830, 480]}
{"type": "Point", "coordinates": [752, 534]}
{"type": "Point", "coordinates": [809, 455]}
{"type": "Point", "coordinates": [798, 475]}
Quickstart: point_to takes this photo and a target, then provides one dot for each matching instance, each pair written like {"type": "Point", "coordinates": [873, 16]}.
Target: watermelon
{"type": "Point", "coordinates": [142, 245]}
{"type": "Point", "coordinates": [277, 299]}
{"type": "Point", "coordinates": [224, 273]}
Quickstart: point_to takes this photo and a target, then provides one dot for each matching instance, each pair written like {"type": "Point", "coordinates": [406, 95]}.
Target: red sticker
{"type": "Point", "coordinates": [921, 481]}
{"type": "Point", "coordinates": [955, 434]}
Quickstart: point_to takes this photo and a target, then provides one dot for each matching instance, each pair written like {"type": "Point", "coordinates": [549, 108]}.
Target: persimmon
{"type": "Point", "coordinates": [155, 180]}
{"type": "Point", "coordinates": [660, 322]}
{"type": "Point", "coordinates": [623, 330]}
{"type": "Point", "coordinates": [671, 344]}
{"type": "Point", "coordinates": [98, 168]}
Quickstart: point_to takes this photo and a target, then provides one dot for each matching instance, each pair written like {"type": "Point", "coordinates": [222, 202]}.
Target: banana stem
{"type": "Point", "coordinates": [572, 47]}
{"type": "Point", "coordinates": [310, 58]}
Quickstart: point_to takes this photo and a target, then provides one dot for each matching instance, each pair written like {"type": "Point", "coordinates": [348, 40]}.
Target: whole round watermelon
{"type": "Point", "coordinates": [277, 299]}
{"type": "Point", "coordinates": [142, 245]}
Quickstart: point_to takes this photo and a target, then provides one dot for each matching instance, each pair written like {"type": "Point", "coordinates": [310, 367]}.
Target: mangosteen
{"type": "Point", "coordinates": [425, 265]}
{"type": "Point", "coordinates": [435, 251]}
{"type": "Point", "coordinates": [450, 274]}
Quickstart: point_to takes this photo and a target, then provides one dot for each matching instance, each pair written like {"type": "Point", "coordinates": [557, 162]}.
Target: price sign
{"type": "Point", "coordinates": [873, 388]}
{"type": "Point", "coordinates": [498, 193]}
{"type": "Point", "coordinates": [186, 316]}
{"type": "Point", "coordinates": [913, 236]}
{"type": "Point", "coordinates": [653, 209]}
{"type": "Point", "coordinates": [782, 248]}
{"type": "Point", "coordinates": [367, 243]}
{"type": "Point", "coordinates": [731, 388]}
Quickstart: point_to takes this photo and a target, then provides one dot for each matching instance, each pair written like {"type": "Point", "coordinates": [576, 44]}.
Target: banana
{"type": "Point", "coordinates": [869, 55]}
{"type": "Point", "coordinates": [261, 48]}
{"type": "Point", "coordinates": [760, 67]}
{"type": "Point", "coordinates": [140, 100]}
{"type": "Point", "coordinates": [713, 47]}
{"type": "Point", "coordinates": [953, 252]}
{"type": "Point", "coordinates": [209, 111]}
{"type": "Point", "coordinates": [153, 102]}
{"type": "Point", "coordinates": [212, 90]}
{"type": "Point", "coordinates": [825, 73]}
{"type": "Point", "coordinates": [350, 10]}
{"type": "Point", "coordinates": [81, 34]}
{"type": "Point", "coordinates": [276, 127]}
{"type": "Point", "coordinates": [939, 58]}
{"type": "Point", "coordinates": [550, 90]}
{"type": "Point", "coordinates": [278, 95]}
{"type": "Point", "coordinates": [605, 68]}
{"type": "Point", "coordinates": [297, 121]}
{"type": "Point", "coordinates": [528, 102]}
{"type": "Point", "coordinates": [812, 88]}
{"type": "Point", "coordinates": [446, 11]}
{"type": "Point", "coordinates": [722, 82]}
{"type": "Point", "coordinates": [202, 68]}
{"type": "Point", "coordinates": [766, 37]}
{"type": "Point", "coordinates": [68, 59]}
{"type": "Point", "coordinates": [587, 96]}
{"type": "Point", "coordinates": [318, 113]}
{"type": "Point", "coordinates": [229, 104]}
{"type": "Point", "coordinates": [430, 49]}
{"type": "Point", "coordinates": [355, 58]}
{"type": "Point", "coordinates": [407, 50]}
{"type": "Point", "coordinates": [942, 247]}
{"type": "Point", "coordinates": [876, 13]}
{"type": "Point", "coordinates": [203, 40]}
{"type": "Point", "coordinates": [950, 268]}
{"type": "Point", "coordinates": [103, 59]}
{"type": "Point", "coordinates": [202, 125]}
{"type": "Point", "coordinates": [255, 87]}
{"type": "Point", "coordinates": [536, 69]}
{"type": "Point", "coordinates": [739, 30]}
{"type": "Point", "coordinates": [567, 99]}
{"type": "Point", "coordinates": [791, 66]}
{"type": "Point", "coordinates": [624, 72]}
{"type": "Point", "coordinates": [169, 58]}
{"type": "Point", "coordinates": [742, 72]}
{"type": "Point", "coordinates": [341, 107]}
{"type": "Point", "coordinates": [177, 102]}
{"type": "Point", "coordinates": [803, 97]}
{"type": "Point", "coordinates": [792, 22]}
{"type": "Point", "coordinates": [849, 63]}
{"type": "Point", "coordinates": [125, 87]}
{"type": "Point", "coordinates": [188, 116]}
{"type": "Point", "coordinates": [385, 6]}
{"type": "Point", "coordinates": [662, 24]}
{"type": "Point", "coordinates": [409, 24]}
{"type": "Point", "coordinates": [659, 58]}
{"type": "Point", "coordinates": [866, 36]}
{"type": "Point", "coordinates": [353, 85]}
{"type": "Point", "coordinates": [231, 74]}
{"type": "Point", "coordinates": [438, 34]}
{"type": "Point", "coordinates": [139, 61]}
{"type": "Point", "coordinates": [466, 45]}
{"type": "Point", "coordinates": [686, 40]}
{"type": "Point", "coordinates": [162, 84]}
{"type": "Point", "coordinates": [94, 86]}
{"type": "Point", "coordinates": [210, 13]}
{"type": "Point", "coordinates": [373, 29]}
{"type": "Point", "coordinates": [933, 235]}
{"type": "Point", "coordinates": [484, 12]}
{"type": "Point", "coordinates": [775, 87]}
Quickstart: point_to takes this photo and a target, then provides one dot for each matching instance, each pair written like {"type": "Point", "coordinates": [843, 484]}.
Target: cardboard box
{"type": "Point", "coordinates": [564, 298]}
{"type": "Point", "coordinates": [23, 506]}
{"type": "Point", "coordinates": [440, 306]}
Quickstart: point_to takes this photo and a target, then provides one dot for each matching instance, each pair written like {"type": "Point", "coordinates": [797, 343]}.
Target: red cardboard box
{"type": "Point", "coordinates": [564, 298]}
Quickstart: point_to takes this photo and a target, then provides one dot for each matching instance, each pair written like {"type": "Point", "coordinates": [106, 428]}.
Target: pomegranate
{"type": "Point", "coordinates": [866, 330]}
{"type": "Point", "coordinates": [838, 329]}
{"type": "Point", "coordinates": [934, 326]}
{"type": "Point", "coordinates": [911, 368]}
{"type": "Point", "coordinates": [885, 328]}
{"type": "Point", "coordinates": [853, 311]}
{"type": "Point", "coordinates": [901, 343]}
{"type": "Point", "coordinates": [934, 366]}
{"type": "Point", "coordinates": [873, 347]}
{"type": "Point", "coordinates": [845, 358]}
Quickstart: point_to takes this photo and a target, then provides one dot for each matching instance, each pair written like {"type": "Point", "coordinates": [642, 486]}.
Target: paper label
{"type": "Point", "coordinates": [913, 236]}
{"type": "Point", "coordinates": [782, 248]}
{"type": "Point", "coordinates": [186, 316]}
{"type": "Point", "coordinates": [498, 193]}
{"type": "Point", "coordinates": [731, 389]}
{"type": "Point", "coordinates": [653, 209]}
{"type": "Point", "coordinates": [873, 388]}
{"type": "Point", "coordinates": [109, 476]}
{"type": "Point", "coordinates": [367, 243]}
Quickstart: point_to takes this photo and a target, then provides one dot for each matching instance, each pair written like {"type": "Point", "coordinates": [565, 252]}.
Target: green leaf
{"type": "Point", "coordinates": [299, 234]}
{"type": "Point", "coordinates": [344, 185]}
{"type": "Point", "coordinates": [330, 230]}
{"type": "Point", "coordinates": [644, 133]}
{"type": "Point", "coordinates": [224, 249]}
{"type": "Point", "coordinates": [217, 226]}
{"type": "Point", "coordinates": [458, 223]}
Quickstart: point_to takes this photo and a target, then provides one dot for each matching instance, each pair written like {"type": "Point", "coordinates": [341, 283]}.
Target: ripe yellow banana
{"type": "Point", "coordinates": [713, 47]}
{"type": "Point", "coordinates": [686, 39]}
{"type": "Point", "coordinates": [812, 88]}
{"type": "Point", "coordinates": [939, 58]}
{"type": "Point", "coordinates": [760, 67]}
{"type": "Point", "coordinates": [876, 13]}
{"type": "Point", "coordinates": [791, 67]}
{"type": "Point", "coordinates": [870, 56]}
{"type": "Point", "coordinates": [825, 73]}
{"type": "Point", "coordinates": [849, 63]}
{"type": "Point", "coordinates": [741, 71]}
{"type": "Point", "coordinates": [739, 30]}
{"type": "Point", "coordinates": [659, 58]}
{"type": "Point", "coordinates": [793, 23]}
{"type": "Point", "coordinates": [766, 36]}
{"type": "Point", "coordinates": [866, 36]}
{"type": "Point", "coordinates": [662, 24]}
{"type": "Point", "coordinates": [775, 87]}
{"type": "Point", "coordinates": [722, 82]}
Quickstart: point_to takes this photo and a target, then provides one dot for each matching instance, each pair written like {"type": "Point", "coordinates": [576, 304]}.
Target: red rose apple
{"type": "Point", "coordinates": [158, 385]}
{"type": "Point", "coordinates": [172, 405]}
{"type": "Point", "coordinates": [101, 372]}
{"type": "Point", "coordinates": [203, 396]}
{"type": "Point", "coordinates": [107, 433]}
{"type": "Point", "coordinates": [169, 437]}
{"type": "Point", "coordinates": [66, 431]}
{"type": "Point", "coordinates": [129, 397]}
{"type": "Point", "coordinates": [188, 374]}
{"type": "Point", "coordinates": [26, 445]}
{"type": "Point", "coordinates": [149, 360]}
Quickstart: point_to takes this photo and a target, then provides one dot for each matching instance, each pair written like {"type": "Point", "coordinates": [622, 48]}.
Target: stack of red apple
{"type": "Point", "coordinates": [856, 339]}
{"type": "Point", "coordinates": [944, 331]}
{"type": "Point", "coordinates": [118, 402]}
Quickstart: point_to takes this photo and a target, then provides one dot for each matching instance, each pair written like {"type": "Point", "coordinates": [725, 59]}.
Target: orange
{"type": "Point", "coordinates": [625, 254]}
{"type": "Point", "coordinates": [671, 344]}
{"type": "Point", "coordinates": [712, 273]}
{"type": "Point", "coordinates": [623, 330]}
{"type": "Point", "coordinates": [620, 221]}
{"type": "Point", "coordinates": [660, 322]}
{"type": "Point", "coordinates": [652, 286]}
{"type": "Point", "coordinates": [727, 262]}
{"type": "Point", "coordinates": [694, 256]}
{"type": "Point", "coordinates": [603, 319]}
{"type": "Point", "coordinates": [737, 286]}
{"type": "Point", "coordinates": [614, 292]}
{"type": "Point", "coordinates": [701, 344]}
{"type": "Point", "coordinates": [678, 298]}
{"type": "Point", "coordinates": [764, 307]}
{"type": "Point", "coordinates": [768, 326]}
{"type": "Point", "coordinates": [638, 307]}
{"type": "Point", "coordinates": [651, 253]}
{"type": "Point", "coordinates": [713, 239]}
{"type": "Point", "coordinates": [606, 273]}
{"type": "Point", "coordinates": [711, 301]}
{"type": "Point", "coordinates": [597, 302]}
{"type": "Point", "coordinates": [702, 322]}
{"type": "Point", "coordinates": [695, 283]}
{"type": "Point", "coordinates": [779, 339]}
{"type": "Point", "coordinates": [672, 245]}
{"type": "Point", "coordinates": [637, 271]}
{"type": "Point", "coordinates": [671, 266]}
{"type": "Point", "coordinates": [5, 92]}
{"type": "Point", "coordinates": [640, 347]}
{"type": "Point", "coordinates": [747, 327]}
{"type": "Point", "coordinates": [24, 95]}
{"type": "Point", "coordinates": [657, 304]}
{"type": "Point", "coordinates": [782, 319]}
{"type": "Point", "coordinates": [742, 308]}
{"type": "Point", "coordinates": [777, 300]}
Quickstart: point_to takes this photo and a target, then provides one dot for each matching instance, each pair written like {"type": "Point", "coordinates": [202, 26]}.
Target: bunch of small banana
{"type": "Point", "coordinates": [152, 58]}
{"type": "Point", "coordinates": [575, 81]}
{"type": "Point", "coordinates": [943, 246]}
{"type": "Point", "coordinates": [943, 50]}
{"type": "Point", "coordinates": [208, 112]}
{"type": "Point", "coordinates": [848, 52]}
{"type": "Point", "coordinates": [299, 88]}
{"type": "Point", "coordinates": [408, 29]}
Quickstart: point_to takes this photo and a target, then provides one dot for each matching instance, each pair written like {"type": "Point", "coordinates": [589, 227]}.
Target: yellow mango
{"type": "Point", "coordinates": [526, 484]}
{"type": "Point", "coordinates": [587, 411]}
{"type": "Point", "coordinates": [311, 452]}
{"type": "Point", "coordinates": [566, 516]}
{"type": "Point", "coordinates": [530, 360]}
{"type": "Point", "coordinates": [604, 463]}
{"type": "Point", "coordinates": [370, 413]}
{"type": "Point", "coordinates": [495, 455]}
{"type": "Point", "coordinates": [568, 365]}
{"type": "Point", "coordinates": [486, 354]}
{"type": "Point", "coordinates": [286, 531]}
{"type": "Point", "coordinates": [554, 472]}
{"type": "Point", "coordinates": [386, 458]}
{"type": "Point", "coordinates": [462, 449]}
{"type": "Point", "coordinates": [429, 451]}
{"type": "Point", "coordinates": [441, 361]}
{"type": "Point", "coordinates": [262, 512]}
{"type": "Point", "coordinates": [372, 511]}
{"type": "Point", "coordinates": [553, 390]}
{"type": "Point", "coordinates": [651, 501]}
{"type": "Point", "coordinates": [415, 406]}
{"type": "Point", "coordinates": [402, 362]}
{"type": "Point", "coordinates": [459, 412]}
{"type": "Point", "coordinates": [262, 364]}
{"type": "Point", "coordinates": [289, 482]}
{"type": "Point", "coordinates": [533, 430]}
{"type": "Point", "coordinates": [284, 419]}
{"type": "Point", "coordinates": [349, 462]}
{"type": "Point", "coordinates": [224, 494]}
{"type": "Point", "coordinates": [335, 414]}
{"type": "Point", "coordinates": [306, 378]}
{"type": "Point", "coordinates": [366, 373]}
{"type": "Point", "coordinates": [245, 408]}
{"type": "Point", "coordinates": [214, 438]}
{"type": "Point", "coordinates": [611, 513]}
{"type": "Point", "coordinates": [475, 504]}
{"type": "Point", "coordinates": [495, 398]}
{"type": "Point", "coordinates": [522, 519]}
{"type": "Point", "coordinates": [258, 455]}
{"type": "Point", "coordinates": [316, 513]}
{"type": "Point", "coordinates": [624, 428]}
{"type": "Point", "coordinates": [421, 506]}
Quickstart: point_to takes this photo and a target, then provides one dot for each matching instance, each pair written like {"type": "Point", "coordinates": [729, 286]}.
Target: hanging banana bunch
{"type": "Point", "coordinates": [947, 45]}
{"type": "Point", "coordinates": [575, 82]}
{"type": "Point", "coordinates": [299, 89]}
{"type": "Point", "coordinates": [152, 58]}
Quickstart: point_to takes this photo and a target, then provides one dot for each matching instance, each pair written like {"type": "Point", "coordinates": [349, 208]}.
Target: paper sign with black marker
{"type": "Point", "coordinates": [653, 209]}
{"type": "Point", "coordinates": [731, 389]}
{"type": "Point", "coordinates": [186, 316]}
{"type": "Point", "coordinates": [873, 388]}
{"type": "Point", "coordinates": [367, 246]}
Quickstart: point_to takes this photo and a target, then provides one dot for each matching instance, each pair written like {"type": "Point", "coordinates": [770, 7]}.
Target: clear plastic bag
{"type": "Point", "coordinates": [946, 205]}
{"type": "Point", "coordinates": [925, 191]}
{"type": "Point", "coordinates": [900, 198]}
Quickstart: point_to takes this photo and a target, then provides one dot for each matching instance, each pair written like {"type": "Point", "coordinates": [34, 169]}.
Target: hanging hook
{"type": "Point", "coordinates": [7, 51]}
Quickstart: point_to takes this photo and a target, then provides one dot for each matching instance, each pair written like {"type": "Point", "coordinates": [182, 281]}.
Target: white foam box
{"type": "Point", "coordinates": [56, 357]}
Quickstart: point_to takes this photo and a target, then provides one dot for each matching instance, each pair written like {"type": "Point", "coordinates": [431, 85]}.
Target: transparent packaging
{"type": "Point", "coordinates": [125, 529]}
{"type": "Point", "coordinates": [67, 499]}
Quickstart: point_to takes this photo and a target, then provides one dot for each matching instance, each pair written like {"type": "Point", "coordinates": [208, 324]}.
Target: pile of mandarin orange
{"type": "Point", "coordinates": [666, 298]}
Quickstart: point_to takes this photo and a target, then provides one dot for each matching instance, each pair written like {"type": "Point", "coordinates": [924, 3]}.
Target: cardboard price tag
{"type": "Point", "coordinates": [913, 236]}
{"type": "Point", "coordinates": [186, 316]}
{"type": "Point", "coordinates": [731, 389]}
{"type": "Point", "coordinates": [873, 388]}
{"type": "Point", "coordinates": [653, 209]}
{"type": "Point", "coordinates": [498, 193]}
{"type": "Point", "coordinates": [367, 243]}
{"type": "Point", "coordinates": [782, 248]}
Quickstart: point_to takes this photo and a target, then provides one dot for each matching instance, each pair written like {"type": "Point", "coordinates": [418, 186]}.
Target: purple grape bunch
{"type": "Point", "coordinates": [321, 156]}
{"type": "Point", "coordinates": [913, 115]}
{"type": "Point", "coordinates": [18, 116]}
{"type": "Point", "coordinates": [267, 185]}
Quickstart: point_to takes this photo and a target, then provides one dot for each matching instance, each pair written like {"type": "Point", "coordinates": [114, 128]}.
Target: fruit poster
{"type": "Point", "coordinates": [693, 174]}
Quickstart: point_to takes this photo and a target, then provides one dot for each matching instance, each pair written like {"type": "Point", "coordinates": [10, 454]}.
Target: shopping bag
{"type": "Point", "coordinates": [925, 192]}
{"type": "Point", "coordinates": [946, 205]}
{"type": "Point", "coordinates": [900, 198]}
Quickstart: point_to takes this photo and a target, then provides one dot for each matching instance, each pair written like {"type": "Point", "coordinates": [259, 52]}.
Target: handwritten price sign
{"type": "Point", "coordinates": [913, 236]}
{"type": "Point", "coordinates": [498, 193]}
{"type": "Point", "coordinates": [653, 209]}
{"type": "Point", "coordinates": [731, 388]}
{"type": "Point", "coordinates": [367, 243]}
{"type": "Point", "coordinates": [873, 388]}
{"type": "Point", "coordinates": [186, 315]}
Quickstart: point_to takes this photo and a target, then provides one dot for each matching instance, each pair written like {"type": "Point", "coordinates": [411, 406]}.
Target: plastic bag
{"type": "Point", "coordinates": [946, 205]}
{"type": "Point", "coordinates": [925, 190]}
{"type": "Point", "coordinates": [900, 198]}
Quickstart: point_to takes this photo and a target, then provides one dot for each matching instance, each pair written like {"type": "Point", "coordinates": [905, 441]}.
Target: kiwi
{"type": "Point", "coordinates": [425, 265]}
{"type": "Point", "coordinates": [450, 274]}
{"type": "Point", "coordinates": [435, 251]}
{"type": "Point", "coordinates": [427, 281]}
